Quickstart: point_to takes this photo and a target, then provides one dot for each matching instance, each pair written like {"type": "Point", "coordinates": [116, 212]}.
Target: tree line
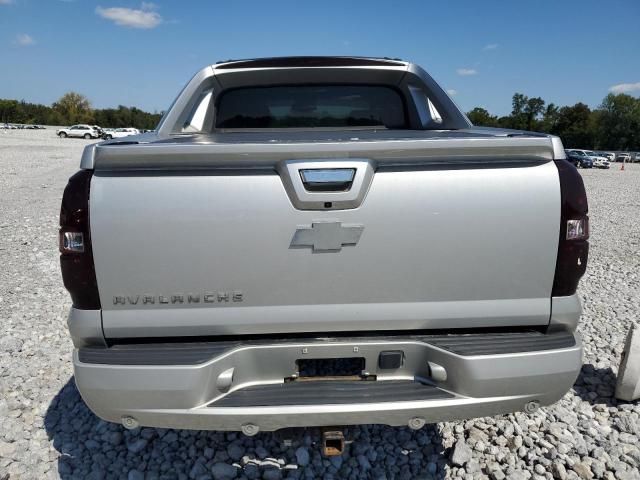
{"type": "Point", "coordinates": [74, 108]}
{"type": "Point", "coordinates": [613, 125]}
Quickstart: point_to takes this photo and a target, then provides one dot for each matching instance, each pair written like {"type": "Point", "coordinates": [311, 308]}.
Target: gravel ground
{"type": "Point", "coordinates": [47, 431]}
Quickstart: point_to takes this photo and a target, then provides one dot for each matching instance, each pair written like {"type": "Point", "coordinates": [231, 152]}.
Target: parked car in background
{"type": "Point", "coordinates": [80, 131]}
{"type": "Point", "coordinates": [595, 157]}
{"type": "Point", "coordinates": [579, 158]}
{"type": "Point", "coordinates": [636, 157]}
{"type": "Point", "coordinates": [623, 157]}
{"type": "Point", "coordinates": [120, 132]}
{"type": "Point", "coordinates": [608, 155]}
{"type": "Point", "coordinates": [599, 161]}
{"type": "Point", "coordinates": [573, 158]}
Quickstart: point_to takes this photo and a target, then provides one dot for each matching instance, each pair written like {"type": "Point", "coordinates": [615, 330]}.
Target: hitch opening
{"type": "Point", "coordinates": [332, 442]}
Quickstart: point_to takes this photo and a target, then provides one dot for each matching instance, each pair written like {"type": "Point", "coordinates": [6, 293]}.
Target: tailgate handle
{"type": "Point", "coordinates": [327, 179]}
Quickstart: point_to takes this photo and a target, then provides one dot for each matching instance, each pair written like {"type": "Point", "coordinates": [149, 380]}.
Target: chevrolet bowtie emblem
{"type": "Point", "coordinates": [327, 236]}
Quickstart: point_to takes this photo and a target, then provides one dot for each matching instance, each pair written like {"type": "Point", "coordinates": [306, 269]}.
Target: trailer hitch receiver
{"type": "Point", "coordinates": [332, 442]}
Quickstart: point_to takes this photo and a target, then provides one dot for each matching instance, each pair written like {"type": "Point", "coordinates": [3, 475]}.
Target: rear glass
{"type": "Point", "coordinates": [309, 106]}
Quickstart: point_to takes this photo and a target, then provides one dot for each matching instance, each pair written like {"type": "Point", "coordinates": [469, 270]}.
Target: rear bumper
{"type": "Point", "coordinates": [225, 386]}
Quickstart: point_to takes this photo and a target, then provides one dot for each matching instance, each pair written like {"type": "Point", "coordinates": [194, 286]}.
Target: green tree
{"type": "Point", "coordinates": [617, 123]}
{"type": "Point", "coordinates": [573, 126]}
{"type": "Point", "coordinates": [532, 109]}
{"type": "Point", "coordinates": [8, 110]}
{"type": "Point", "coordinates": [518, 104]}
{"type": "Point", "coordinates": [550, 118]}
{"type": "Point", "coordinates": [481, 117]}
{"type": "Point", "coordinates": [518, 117]}
{"type": "Point", "coordinates": [74, 108]}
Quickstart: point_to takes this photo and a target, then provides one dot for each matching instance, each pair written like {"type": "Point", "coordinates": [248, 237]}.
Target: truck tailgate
{"type": "Point", "coordinates": [212, 252]}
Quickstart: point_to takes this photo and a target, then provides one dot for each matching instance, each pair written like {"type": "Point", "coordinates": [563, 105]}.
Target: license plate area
{"type": "Point", "coordinates": [324, 369]}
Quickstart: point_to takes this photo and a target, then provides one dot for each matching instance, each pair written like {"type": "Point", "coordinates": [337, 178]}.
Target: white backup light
{"type": "Point", "coordinates": [577, 229]}
{"type": "Point", "coordinates": [72, 242]}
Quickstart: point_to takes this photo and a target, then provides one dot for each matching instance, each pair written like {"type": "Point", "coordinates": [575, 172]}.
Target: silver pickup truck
{"type": "Point", "coordinates": [317, 241]}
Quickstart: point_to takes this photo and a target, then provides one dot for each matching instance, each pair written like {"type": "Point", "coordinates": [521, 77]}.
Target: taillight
{"type": "Point", "coordinates": [76, 256]}
{"type": "Point", "coordinates": [573, 247]}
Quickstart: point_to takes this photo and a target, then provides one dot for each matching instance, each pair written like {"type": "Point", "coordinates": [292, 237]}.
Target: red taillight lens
{"type": "Point", "coordinates": [573, 247]}
{"type": "Point", "coordinates": [76, 256]}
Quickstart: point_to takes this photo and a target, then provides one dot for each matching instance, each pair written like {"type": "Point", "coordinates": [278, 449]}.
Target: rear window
{"type": "Point", "coordinates": [311, 106]}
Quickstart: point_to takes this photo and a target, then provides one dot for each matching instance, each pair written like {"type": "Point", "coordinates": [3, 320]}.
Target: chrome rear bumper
{"type": "Point", "coordinates": [225, 386]}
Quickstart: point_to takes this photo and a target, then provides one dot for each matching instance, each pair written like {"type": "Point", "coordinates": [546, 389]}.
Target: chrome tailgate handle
{"type": "Point", "coordinates": [327, 179]}
{"type": "Point", "coordinates": [326, 184]}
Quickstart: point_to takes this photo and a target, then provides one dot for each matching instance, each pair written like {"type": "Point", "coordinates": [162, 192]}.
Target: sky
{"type": "Point", "coordinates": [120, 52]}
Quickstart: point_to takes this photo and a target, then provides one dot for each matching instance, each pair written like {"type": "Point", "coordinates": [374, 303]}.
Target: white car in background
{"type": "Point", "coordinates": [609, 155]}
{"type": "Point", "coordinates": [599, 161]}
{"type": "Point", "coordinates": [120, 132]}
{"type": "Point", "coordinates": [80, 131]}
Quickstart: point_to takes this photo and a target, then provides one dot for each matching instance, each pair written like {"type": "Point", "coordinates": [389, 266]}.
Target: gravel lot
{"type": "Point", "coordinates": [46, 430]}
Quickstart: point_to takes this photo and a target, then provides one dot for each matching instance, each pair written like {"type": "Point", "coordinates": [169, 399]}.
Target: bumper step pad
{"type": "Point", "coordinates": [193, 353]}
{"type": "Point", "coordinates": [330, 393]}
{"type": "Point", "coordinates": [500, 343]}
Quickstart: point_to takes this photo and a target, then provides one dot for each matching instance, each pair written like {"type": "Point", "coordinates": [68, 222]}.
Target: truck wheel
{"type": "Point", "coordinates": [87, 136]}
{"type": "Point", "coordinates": [62, 135]}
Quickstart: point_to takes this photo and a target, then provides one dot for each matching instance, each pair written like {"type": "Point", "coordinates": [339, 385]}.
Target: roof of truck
{"type": "Point", "coordinates": [310, 61]}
